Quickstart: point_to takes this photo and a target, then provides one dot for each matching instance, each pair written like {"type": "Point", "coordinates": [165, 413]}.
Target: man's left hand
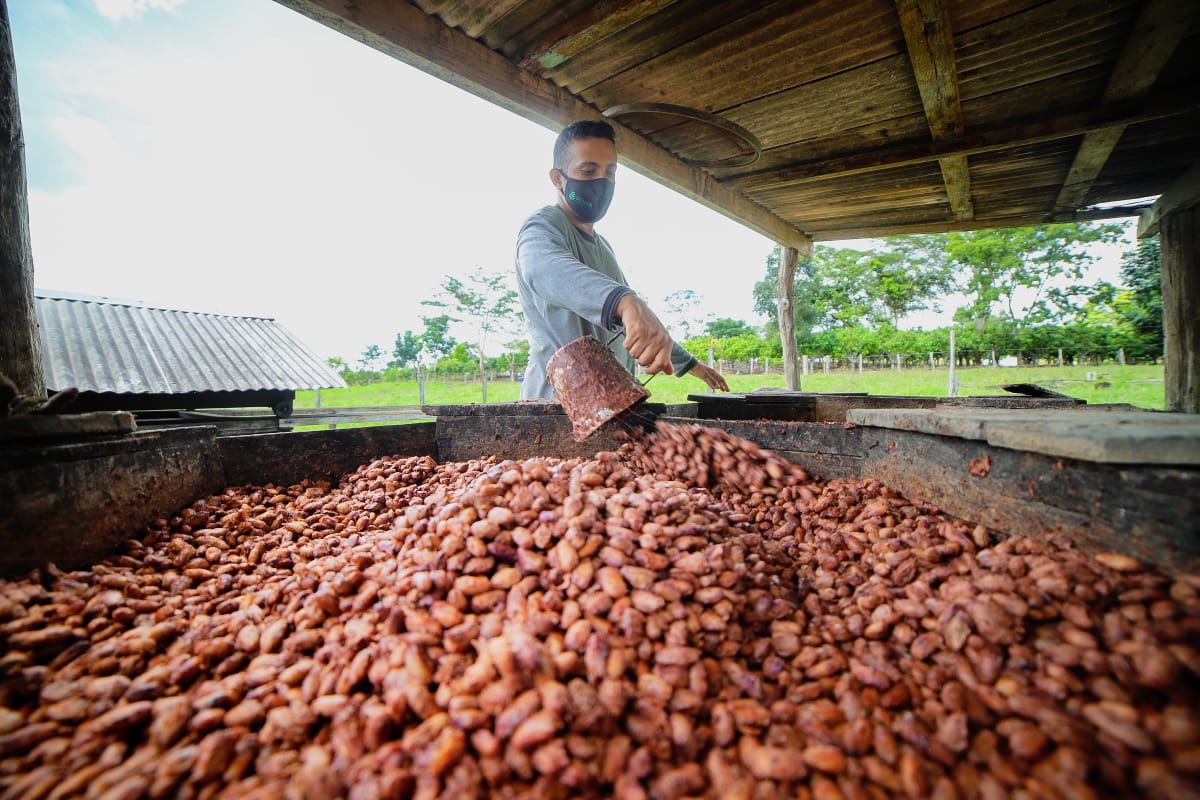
{"type": "Point", "coordinates": [709, 376]}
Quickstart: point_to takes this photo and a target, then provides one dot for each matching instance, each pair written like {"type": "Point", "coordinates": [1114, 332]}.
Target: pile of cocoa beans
{"type": "Point", "coordinates": [691, 616]}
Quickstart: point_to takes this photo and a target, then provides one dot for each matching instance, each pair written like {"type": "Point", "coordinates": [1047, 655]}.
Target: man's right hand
{"type": "Point", "coordinates": [645, 337]}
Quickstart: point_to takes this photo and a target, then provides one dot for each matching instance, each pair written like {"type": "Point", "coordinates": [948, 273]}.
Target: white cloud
{"type": "Point", "coordinates": [132, 9]}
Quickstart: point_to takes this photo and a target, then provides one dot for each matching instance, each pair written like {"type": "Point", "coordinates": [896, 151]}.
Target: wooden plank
{"type": "Point", "coordinates": [1160, 26]}
{"type": "Point", "coordinates": [957, 177]}
{"type": "Point", "coordinates": [1101, 435]}
{"type": "Point", "coordinates": [1182, 194]}
{"type": "Point", "coordinates": [75, 503]}
{"type": "Point", "coordinates": [930, 39]}
{"type": "Point", "coordinates": [406, 33]}
{"type": "Point", "coordinates": [823, 234]}
{"type": "Point", "coordinates": [37, 426]}
{"type": "Point", "coordinates": [595, 24]}
{"type": "Point", "coordinates": [1148, 513]}
{"type": "Point", "coordinates": [1066, 126]}
{"type": "Point", "coordinates": [770, 48]}
{"type": "Point", "coordinates": [287, 458]}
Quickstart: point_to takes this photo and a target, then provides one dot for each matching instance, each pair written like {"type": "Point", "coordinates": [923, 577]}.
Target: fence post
{"type": "Point", "coordinates": [1121, 356]}
{"type": "Point", "coordinates": [995, 363]}
{"type": "Point", "coordinates": [766, 364]}
{"type": "Point", "coordinates": [953, 388]}
{"type": "Point", "coordinates": [710, 358]}
{"type": "Point", "coordinates": [1060, 363]}
{"type": "Point", "coordinates": [860, 363]}
{"type": "Point", "coordinates": [931, 361]}
{"type": "Point", "coordinates": [318, 397]}
{"type": "Point", "coordinates": [804, 365]}
{"type": "Point", "coordinates": [826, 360]}
{"type": "Point", "coordinates": [420, 383]}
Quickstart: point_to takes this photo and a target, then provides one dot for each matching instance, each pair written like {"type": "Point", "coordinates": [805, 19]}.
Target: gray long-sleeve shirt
{"type": "Point", "coordinates": [569, 284]}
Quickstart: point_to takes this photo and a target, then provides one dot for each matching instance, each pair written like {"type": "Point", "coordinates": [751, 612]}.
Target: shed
{"type": "Point", "coordinates": [125, 355]}
{"type": "Point", "coordinates": [839, 119]}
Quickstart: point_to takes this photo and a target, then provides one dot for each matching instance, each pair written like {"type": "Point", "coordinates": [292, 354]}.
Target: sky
{"type": "Point", "coordinates": [235, 157]}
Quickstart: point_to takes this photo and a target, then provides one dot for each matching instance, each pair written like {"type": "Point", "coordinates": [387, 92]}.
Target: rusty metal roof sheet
{"type": "Point", "coordinates": [98, 344]}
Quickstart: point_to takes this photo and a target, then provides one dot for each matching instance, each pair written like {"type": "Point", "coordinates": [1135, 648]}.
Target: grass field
{"type": "Point", "coordinates": [1138, 385]}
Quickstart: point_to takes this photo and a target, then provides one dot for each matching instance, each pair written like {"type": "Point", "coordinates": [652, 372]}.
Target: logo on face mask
{"type": "Point", "coordinates": [589, 199]}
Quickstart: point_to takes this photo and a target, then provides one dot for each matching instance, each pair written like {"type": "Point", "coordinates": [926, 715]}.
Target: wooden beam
{"type": "Point", "coordinates": [1016, 221]}
{"type": "Point", "coordinates": [785, 290]}
{"type": "Point", "coordinates": [1021, 135]}
{"type": "Point", "coordinates": [930, 39]}
{"type": "Point", "coordinates": [406, 33]}
{"type": "Point", "coordinates": [1181, 194]}
{"type": "Point", "coordinates": [596, 23]}
{"type": "Point", "coordinates": [20, 343]}
{"type": "Point", "coordinates": [1180, 249]}
{"type": "Point", "coordinates": [1159, 28]}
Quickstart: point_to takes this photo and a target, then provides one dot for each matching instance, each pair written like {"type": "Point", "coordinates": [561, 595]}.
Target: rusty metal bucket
{"type": "Point", "coordinates": [591, 385]}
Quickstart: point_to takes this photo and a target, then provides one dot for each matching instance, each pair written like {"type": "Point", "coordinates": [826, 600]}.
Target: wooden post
{"type": "Point", "coordinates": [1060, 359]}
{"type": "Point", "coordinates": [1180, 248]}
{"type": "Point", "coordinates": [1121, 356]}
{"type": "Point", "coordinates": [785, 286]}
{"type": "Point", "coordinates": [860, 363]}
{"type": "Point", "coordinates": [952, 389]}
{"type": "Point", "coordinates": [20, 342]}
{"type": "Point", "coordinates": [710, 358]}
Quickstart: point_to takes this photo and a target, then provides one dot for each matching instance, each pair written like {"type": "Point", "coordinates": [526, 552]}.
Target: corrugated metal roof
{"type": "Point", "coordinates": [98, 344]}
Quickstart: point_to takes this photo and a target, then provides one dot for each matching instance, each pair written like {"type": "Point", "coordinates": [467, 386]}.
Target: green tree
{"type": "Point", "coordinates": [371, 358]}
{"type": "Point", "coordinates": [1141, 304]}
{"type": "Point", "coordinates": [406, 350]}
{"type": "Point", "coordinates": [910, 274]}
{"type": "Point", "coordinates": [726, 328]}
{"type": "Point", "coordinates": [436, 339]}
{"type": "Point", "coordinates": [486, 300]}
{"type": "Point", "coordinates": [682, 312]}
{"type": "Point", "coordinates": [994, 265]}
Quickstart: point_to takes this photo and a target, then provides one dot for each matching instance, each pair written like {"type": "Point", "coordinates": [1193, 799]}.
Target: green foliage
{"type": "Point", "coordinates": [371, 357]}
{"type": "Point", "coordinates": [406, 350]}
{"type": "Point", "coordinates": [994, 265]}
{"type": "Point", "coordinates": [682, 314]}
{"type": "Point", "coordinates": [804, 312]}
{"type": "Point", "coordinates": [1141, 305]}
{"type": "Point", "coordinates": [436, 339]}
{"type": "Point", "coordinates": [725, 327]}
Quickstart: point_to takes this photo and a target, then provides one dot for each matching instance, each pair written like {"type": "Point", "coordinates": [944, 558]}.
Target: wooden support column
{"type": "Point", "coordinates": [1180, 248]}
{"type": "Point", "coordinates": [785, 288]}
{"type": "Point", "coordinates": [20, 343]}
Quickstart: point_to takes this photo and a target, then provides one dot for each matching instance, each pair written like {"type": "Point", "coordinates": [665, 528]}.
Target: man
{"type": "Point", "coordinates": [568, 278]}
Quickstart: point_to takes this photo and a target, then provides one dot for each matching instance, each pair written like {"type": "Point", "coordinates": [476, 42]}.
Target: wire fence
{"type": "Point", "coordinates": [932, 360]}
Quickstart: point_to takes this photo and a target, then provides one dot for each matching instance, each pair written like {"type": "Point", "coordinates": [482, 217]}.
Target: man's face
{"type": "Point", "coordinates": [589, 159]}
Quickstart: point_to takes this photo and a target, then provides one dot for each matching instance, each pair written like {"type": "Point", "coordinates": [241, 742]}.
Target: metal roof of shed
{"type": "Point", "coordinates": [98, 344]}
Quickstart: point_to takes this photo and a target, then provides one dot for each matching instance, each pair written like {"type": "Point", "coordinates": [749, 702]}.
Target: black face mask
{"type": "Point", "coordinates": [588, 199]}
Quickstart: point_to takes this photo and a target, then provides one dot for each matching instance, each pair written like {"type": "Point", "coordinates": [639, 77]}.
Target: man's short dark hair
{"type": "Point", "coordinates": [582, 129]}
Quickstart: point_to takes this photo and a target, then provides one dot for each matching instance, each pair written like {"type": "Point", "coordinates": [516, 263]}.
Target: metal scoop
{"type": "Point", "coordinates": [591, 385]}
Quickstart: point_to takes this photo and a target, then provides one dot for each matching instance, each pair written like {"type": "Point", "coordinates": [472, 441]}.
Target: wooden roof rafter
{"type": "Point", "coordinates": [930, 39]}
{"type": "Point", "coordinates": [408, 34]}
{"type": "Point", "coordinates": [598, 23]}
{"type": "Point", "coordinates": [1158, 30]}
